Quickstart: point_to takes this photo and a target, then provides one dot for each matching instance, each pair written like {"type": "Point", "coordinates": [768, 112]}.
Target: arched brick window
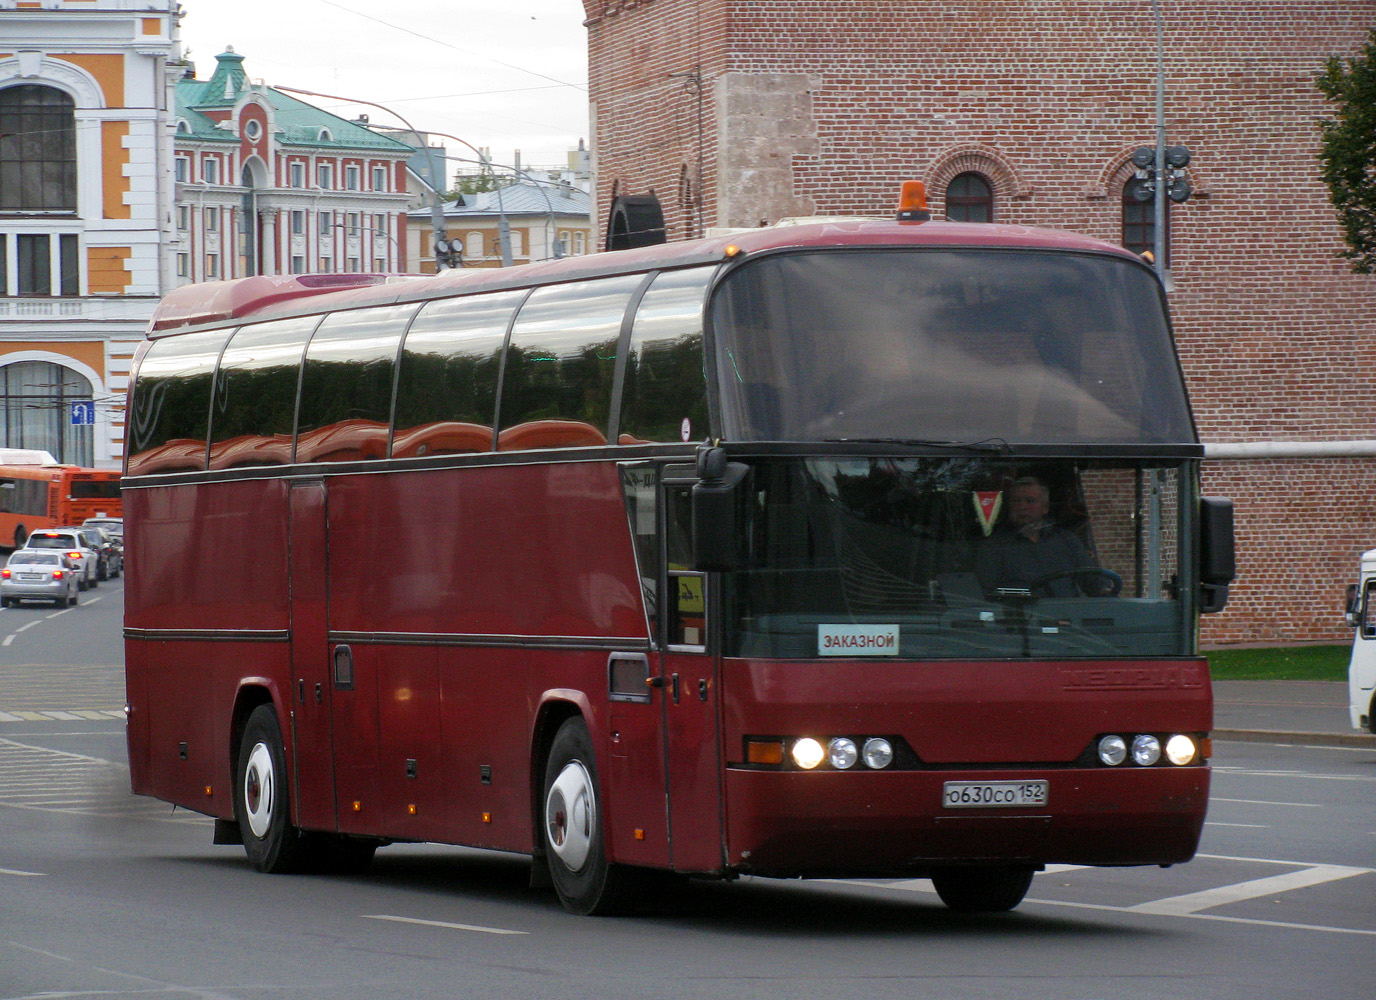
{"type": "Point", "coordinates": [970, 198]}
{"type": "Point", "coordinates": [37, 149]}
{"type": "Point", "coordinates": [1139, 223]}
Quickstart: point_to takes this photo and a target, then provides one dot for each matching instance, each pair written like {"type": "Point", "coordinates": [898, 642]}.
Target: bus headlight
{"type": "Point", "coordinates": [841, 753]}
{"type": "Point", "coordinates": [808, 753]}
{"type": "Point", "coordinates": [1146, 750]}
{"type": "Point", "coordinates": [878, 753]}
{"type": "Point", "coordinates": [1113, 750]}
{"type": "Point", "coordinates": [1180, 749]}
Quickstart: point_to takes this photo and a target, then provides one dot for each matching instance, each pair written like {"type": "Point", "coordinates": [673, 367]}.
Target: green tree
{"type": "Point", "coordinates": [1347, 153]}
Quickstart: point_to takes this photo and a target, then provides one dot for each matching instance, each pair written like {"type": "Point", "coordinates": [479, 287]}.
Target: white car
{"type": "Point", "coordinates": [39, 575]}
{"type": "Point", "coordinates": [69, 540]}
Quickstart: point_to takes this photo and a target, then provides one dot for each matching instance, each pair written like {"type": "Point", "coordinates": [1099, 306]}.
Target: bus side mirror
{"type": "Point", "coordinates": [718, 517]}
{"type": "Point", "coordinates": [1352, 608]}
{"type": "Point", "coordinates": [1217, 568]}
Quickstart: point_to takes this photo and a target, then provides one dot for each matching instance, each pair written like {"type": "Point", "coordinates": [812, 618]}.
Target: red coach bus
{"type": "Point", "coordinates": [37, 492]}
{"type": "Point", "coordinates": [699, 558]}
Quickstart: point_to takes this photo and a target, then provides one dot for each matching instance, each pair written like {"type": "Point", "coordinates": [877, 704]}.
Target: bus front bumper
{"type": "Point", "coordinates": [892, 824]}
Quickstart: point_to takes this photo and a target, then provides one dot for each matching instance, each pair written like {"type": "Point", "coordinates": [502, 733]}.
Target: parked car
{"type": "Point", "coordinates": [40, 575]}
{"type": "Point", "coordinates": [110, 548]}
{"type": "Point", "coordinates": [70, 540]}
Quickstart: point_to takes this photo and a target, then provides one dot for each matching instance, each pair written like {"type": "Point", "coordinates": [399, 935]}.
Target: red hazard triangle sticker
{"type": "Point", "coordinates": [988, 503]}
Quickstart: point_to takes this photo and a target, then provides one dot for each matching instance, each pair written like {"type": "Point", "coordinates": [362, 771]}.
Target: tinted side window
{"type": "Point", "coordinates": [665, 394]}
{"type": "Point", "coordinates": [346, 388]}
{"type": "Point", "coordinates": [557, 386]}
{"type": "Point", "coordinates": [447, 386]}
{"type": "Point", "coordinates": [254, 409]}
{"type": "Point", "coordinates": [1368, 625]}
{"type": "Point", "coordinates": [169, 414]}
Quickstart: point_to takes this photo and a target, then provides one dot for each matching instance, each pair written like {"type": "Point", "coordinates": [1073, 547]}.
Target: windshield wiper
{"type": "Point", "coordinates": [993, 445]}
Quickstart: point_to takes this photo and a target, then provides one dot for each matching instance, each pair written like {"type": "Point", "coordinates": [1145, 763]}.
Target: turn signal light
{"type": "Point", "coordinates": [764, 752]}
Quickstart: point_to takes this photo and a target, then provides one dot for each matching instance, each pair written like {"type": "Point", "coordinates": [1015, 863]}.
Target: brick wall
{"type": "Point", "coordinates": [825, 106]}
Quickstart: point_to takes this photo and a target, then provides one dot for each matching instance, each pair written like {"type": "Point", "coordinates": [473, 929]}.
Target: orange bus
{"type": "Point", "coordinates": [37, 491]}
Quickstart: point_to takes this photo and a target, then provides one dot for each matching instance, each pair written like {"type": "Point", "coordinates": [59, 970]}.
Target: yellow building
{"type": "Point", "coordinates": [85, 206]}
{"type": "Point", "coordinates": [542, 221]}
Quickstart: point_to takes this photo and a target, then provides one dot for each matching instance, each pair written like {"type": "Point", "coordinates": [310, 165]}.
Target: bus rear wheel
{"type": "Point", "coordinates": [260, 797]}
{"type": "Point", "coordinates": [974, 889]}
{"type": "Point", "coordinates": [575, 846]}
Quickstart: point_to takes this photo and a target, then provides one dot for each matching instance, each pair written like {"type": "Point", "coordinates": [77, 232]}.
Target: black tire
{"type": "Point", "coordinates": [982, 890]}
{"type": "Point", "coordinates": [1371, 715]}
{"type": "Point", "coordinates": [571, 821]}
{"type": "Point", "coordinates": [74, 599]}
{"type": "Point", "coordinates": [4, 602]}
{"type": "Point", "coordinates": [261, 797]}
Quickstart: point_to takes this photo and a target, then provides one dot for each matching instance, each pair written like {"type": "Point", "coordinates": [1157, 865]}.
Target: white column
{"type": "Point", "coordinates": [269, 262]}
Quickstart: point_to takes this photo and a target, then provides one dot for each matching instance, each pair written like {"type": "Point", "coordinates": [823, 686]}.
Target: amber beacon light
{"type": "Point", "coordinates": [912, 202]}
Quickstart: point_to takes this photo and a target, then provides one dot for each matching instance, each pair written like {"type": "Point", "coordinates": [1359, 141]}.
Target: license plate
{"type": "Point", "coordinates": [32, 576]}
{"type": "Point", "coordinates": [993, 794]}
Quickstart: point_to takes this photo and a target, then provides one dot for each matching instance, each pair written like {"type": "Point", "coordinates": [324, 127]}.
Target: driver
{"type": "Point", "coordinates": [1034, 547]}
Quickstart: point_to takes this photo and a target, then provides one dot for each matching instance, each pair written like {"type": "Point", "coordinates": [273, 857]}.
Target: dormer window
{"type": "Point", "coordinates": [325, 135]}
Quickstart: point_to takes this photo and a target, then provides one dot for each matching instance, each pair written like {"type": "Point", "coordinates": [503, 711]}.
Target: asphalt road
{"type": "Point", "coordinates": [103, 894]}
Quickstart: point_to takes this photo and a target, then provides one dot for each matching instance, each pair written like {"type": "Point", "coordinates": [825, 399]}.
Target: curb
{"type": "Point", "coordinates": [1366, 741]}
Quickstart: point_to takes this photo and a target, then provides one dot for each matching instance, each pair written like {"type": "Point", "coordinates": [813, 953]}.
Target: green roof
{"type": "Point", "coordinates": [298, 123]}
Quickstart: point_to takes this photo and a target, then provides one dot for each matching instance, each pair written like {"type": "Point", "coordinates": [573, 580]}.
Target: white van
{"type": "Point", "coordinates": [1361, 670]}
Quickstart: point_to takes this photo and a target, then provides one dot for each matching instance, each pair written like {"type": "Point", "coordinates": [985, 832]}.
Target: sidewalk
{"type": "Point", "coordinates": [1286, 712]}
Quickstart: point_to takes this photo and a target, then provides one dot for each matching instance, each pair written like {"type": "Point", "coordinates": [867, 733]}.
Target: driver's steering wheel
{"type": "Point", "coordinates": [1115, 582]}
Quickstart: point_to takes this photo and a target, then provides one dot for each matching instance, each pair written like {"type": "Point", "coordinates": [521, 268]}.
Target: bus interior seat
{"type": "Point", "coordinates": [550, 433]}
{"type": "Point", "coordinates": [448, 437]}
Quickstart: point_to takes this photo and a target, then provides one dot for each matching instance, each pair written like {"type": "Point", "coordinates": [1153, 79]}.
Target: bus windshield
{"type": "Point", "coordinates": [959, 345]}
{"type": "Point", "coordinates": [962, 558]}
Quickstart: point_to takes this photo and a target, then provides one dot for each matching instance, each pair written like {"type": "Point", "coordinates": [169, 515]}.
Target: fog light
{"type": "Point", "coordinates": [808, 753]}
{"type": "Point", "coordinates": [1146, 750]}
{"type": "Point", "coordinates": [841, 753]}
{"type": "Point", "coordinates": [878, 753]}
{"type": "Point", "coordinates": [1180, 749]}
{"type": "Point", "coordinates": [1113, 750]}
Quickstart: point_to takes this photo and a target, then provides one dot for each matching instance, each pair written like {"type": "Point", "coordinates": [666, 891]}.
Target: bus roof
{"type": "Point", "coordinates": [26, 456]}
{"type": "Point", "coordinates": [275, 296]}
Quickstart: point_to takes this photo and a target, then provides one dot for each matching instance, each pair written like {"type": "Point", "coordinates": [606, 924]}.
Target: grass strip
{"type": "Point", "coordinates": [1280, 663]}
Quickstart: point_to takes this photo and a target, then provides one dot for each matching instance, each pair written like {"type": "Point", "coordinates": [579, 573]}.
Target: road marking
{"type": "Point", "coordinates": [92, 714]}
{"type": "Point", "coordinates": [1230, 771]}
{"type": "Point", "coordinates": [1261, 802]}
{"type": "Point", "coordinates": [1244, 826]}
{"type": "Point", "coordinates": [441, 923]}
{"type": "Point", "coordinates": [8, 639]}
{"type": "Point", "coordinates": [1193, 902]}
{"type": "Point", "coordinates": [1188, 906]}
{"type": "Point", "coordinates": [15, 871]}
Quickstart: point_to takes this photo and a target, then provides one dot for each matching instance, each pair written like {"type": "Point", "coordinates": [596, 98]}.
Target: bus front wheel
{"type": "Point", "coordinates": [572, 819]}
{"type": "Point", "coordinates": [982, 890]}
{"type": "Point", "coordinates": [260, 797]}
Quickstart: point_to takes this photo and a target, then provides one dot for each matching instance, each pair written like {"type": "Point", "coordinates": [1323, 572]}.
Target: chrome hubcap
{"type": "Point", "coordinates": [260, 790]}
{"type": "Point", "coordinates": [570, 809]}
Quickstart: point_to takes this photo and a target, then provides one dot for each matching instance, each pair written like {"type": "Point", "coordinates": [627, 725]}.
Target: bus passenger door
{"type": "Point", "coordinates": [691, 691]}
{"type": "Point", "coordinates": [664, 776]}
{"type": "Point", "coordinates": [312, 778]}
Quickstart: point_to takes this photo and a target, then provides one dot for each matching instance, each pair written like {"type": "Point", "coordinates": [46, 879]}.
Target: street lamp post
{"type": "Point", "coordinates": [436, 175]}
